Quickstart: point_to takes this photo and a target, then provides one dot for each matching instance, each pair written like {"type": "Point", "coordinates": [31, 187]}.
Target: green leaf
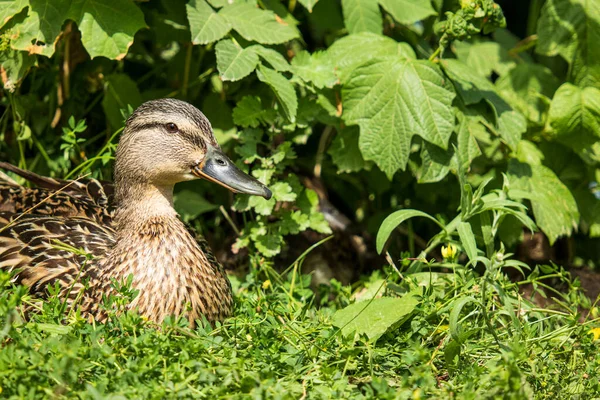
{"type": "Point", "coordinates": [553, 204]}
{"type": "Point", "coordinates": [468, 130]}
{"type": "Point", "coordinates": [484, 57]}
{"type": "Point", "coordinates": [269, 245]}
{"type": "Point", "coordinates": [375, 317]}
{"type": "Point", "coordinates": [308, 4]}
{"type": "Point", "coordinates": [249, 112]}
{"type": "Point", "coordinates": [571, 28]}
{"type": "Point", "coordinates": [206, 26]}
{"type": "Point", "coordinates": [408, 11]}
{"type": "Point", "coordinates": [315, 68]}
{"type": "Point", "coordinates": [393, 220]}
{"type": "Point", "coordinates": [473, 88]}
{"type": "Point", "coordinates": [8, 8]}
{"type": "Point", "coordinates": [351, 51]}
{"type": "Point", "coordinates": [14, 66]}
{"type": "Point", "coordinates": [119, 93]}
{"type": "Point", "coordinates": [233, 61]}
{"type": "Point", "coordinates": [275, 59]}
{"type": "Point", "coordinates": [574, 116]}
{"type": "Point", "coordinates": [362, 16]}
{"type": "Point", "coordinates": [456, 330]}
{"type": "Point", "coordinates": [344, 150]}
{"type": "Point", "coordinates": [589, 205]}
{"type": "Point", "coordinates": [529, 88]}
{"type": "Point", "coordinates": [107, 26]}
{"type": "Point", "coordinates": [258, 25]}
{"type": "Point", "coordinates": [394, 99]}
{"type": "Point", "coordinates": [467, 238]}
{"type": "Point", "coordinates": [435, 163]}
{"type": "Point", "coordinates": [38, 32]}
{"type": "Point", "coordinates": [284, 90]}
{"type": "Point", "coordinates": [282, 191]}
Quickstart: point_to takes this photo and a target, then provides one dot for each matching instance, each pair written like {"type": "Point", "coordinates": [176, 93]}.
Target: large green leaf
{"type": "Point", "coordinates": [362, 16]}
{"type": "Point", "coordinates": [374, 318]}
{"type": "Point", "coordinates": [233, 61]}
{"type": "Point", "coordinates": [315, 68]}
{"type": "Point", "coordinates": [283, 88]}
{"type": "Point", "coordinates": [408, 11]}
{"type": "Point", "coordinates": [107, 26]}
{"type": "Point", "coordinates": [392, 100]}
{"type": "Point", "coordinates": [351, 51]}
{"type": "Point", "coordinates": [473, 88]}
{"type": "Point", "coordinates": [37, 33]}
{"type": "Point", "coordinates": [206, 25]}
{"type": "Point", "coordinates": [8, 8]}
{"type": "Point", "coordinates": [571, 28]}
{"type": "Point", "coordinates": [258, 25]}
{"type": "Point", "coordinates": [435, 163]}
{"type": "Point", "coordinates": [393, 220]}
{"type": "Point", "coordinates": [484, 57]}
{"type": "Point", "coordinates": [574, 117]}
{"type": "Point", "coordinates": [529, 88]}
{"type": "Point", "coordinates": [553, 204]}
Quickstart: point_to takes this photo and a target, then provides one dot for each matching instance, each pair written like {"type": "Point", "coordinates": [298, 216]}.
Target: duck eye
{"type": "Point", "coordinates": [171, 127]}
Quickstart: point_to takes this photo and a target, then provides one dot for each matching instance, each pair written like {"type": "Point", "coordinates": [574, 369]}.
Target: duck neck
{"type": "Point", "coordinates": [140, 203]}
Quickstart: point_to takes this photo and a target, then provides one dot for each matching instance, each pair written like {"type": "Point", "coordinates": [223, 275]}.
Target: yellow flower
{"type": "Point", "coordinates": [595, 332]}
{"type": "Point", "coordinates": [449, 252]}
{"type": "Point", "coordinates": [266, 284]}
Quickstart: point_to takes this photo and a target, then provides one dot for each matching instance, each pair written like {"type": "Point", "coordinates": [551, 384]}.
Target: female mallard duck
{"type": "Point", "coordinates": [164, 142]}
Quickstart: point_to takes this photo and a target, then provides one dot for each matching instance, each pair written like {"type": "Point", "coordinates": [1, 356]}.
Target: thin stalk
{"type": "Point", "coordinates": [186, 69]}
{"type": "Point", "coordinates": [228, 218]}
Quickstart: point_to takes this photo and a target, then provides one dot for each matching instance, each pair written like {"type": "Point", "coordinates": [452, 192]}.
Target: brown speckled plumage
{"type": "Point", "coordinates": [137, 233]}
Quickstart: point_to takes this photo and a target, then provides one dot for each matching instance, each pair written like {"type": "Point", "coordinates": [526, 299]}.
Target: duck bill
{"type": "Point", "coordinates": [217, 167]}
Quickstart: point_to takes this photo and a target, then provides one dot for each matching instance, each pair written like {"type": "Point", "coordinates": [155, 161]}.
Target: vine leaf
{"type": "Point", "coordinates": [38, 32]}
{"type": "Point", "coordinates": [107, 26]}
{"type": "Point", "coordinates": [554, 207]}
{"type": "Point", "coordinates": [8, 8]}
{"type": "Point", "coordinates": [574, 116]}
{"type": "Point", "coordinates": [233, 61]}
{"type": "Point", "coordinates": [275, 59]}
{"type": "Point", "coordinates": [258, 25]}
{"type": "Point", "coordinates": [571, 29]}
{"type": "Point", "coordinates": [351, 51]}
{"type": "Point", "coordinates": [408, 11]}
{"type": "Point", "coordinates": [206, 26]}
{"type": "Point", "coordinates": [394, 99]}
{"type": "Point", "coordinates": [283, 88]}
{"type": "Point", "coordinates": [362, 16]}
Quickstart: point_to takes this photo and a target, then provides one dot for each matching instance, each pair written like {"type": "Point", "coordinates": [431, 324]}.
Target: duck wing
{"type": "Point", "coordinates": [58, 232]}
{"type": "Point", "coordinates": [45, 250]}
{"type": "Point", "coordinates": [88, 198]}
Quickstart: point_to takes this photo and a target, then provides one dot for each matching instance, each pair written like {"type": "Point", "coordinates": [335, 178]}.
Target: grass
{"type": "Point", "coordinates": [472, 336]}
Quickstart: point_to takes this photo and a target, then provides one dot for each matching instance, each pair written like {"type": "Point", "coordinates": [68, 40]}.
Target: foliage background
{"type": "Point", "coordinates": [356, 108]}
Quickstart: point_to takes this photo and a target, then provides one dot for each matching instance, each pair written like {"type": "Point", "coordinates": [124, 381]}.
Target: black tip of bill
{"type": "Point", "coordinates": [217, 167]}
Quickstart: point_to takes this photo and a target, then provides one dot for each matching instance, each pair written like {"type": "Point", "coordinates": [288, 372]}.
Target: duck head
{"type": "Point", "coordinates": [167, 141]}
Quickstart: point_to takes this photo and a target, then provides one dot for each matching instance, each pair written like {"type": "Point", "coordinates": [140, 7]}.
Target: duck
{"type": "Point", "coordinates": [84, 235]}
